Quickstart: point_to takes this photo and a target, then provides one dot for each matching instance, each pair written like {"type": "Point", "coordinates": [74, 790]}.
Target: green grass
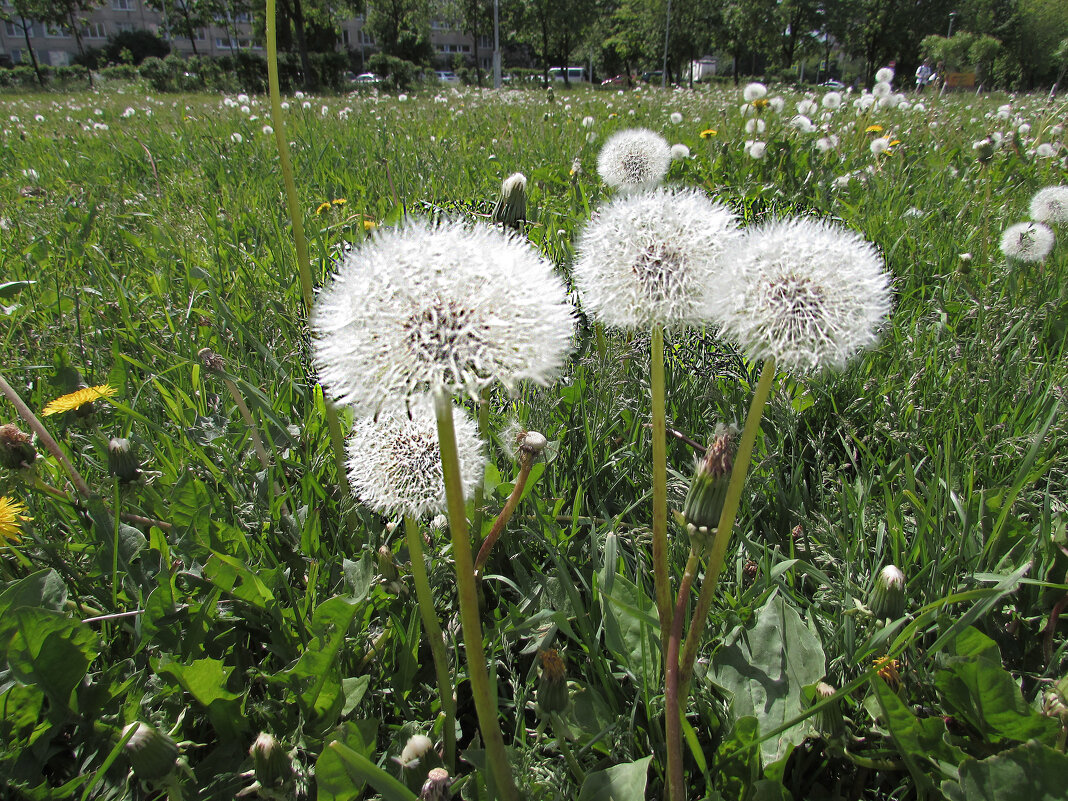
{"type": "Point", "coordinates": [943, 451]}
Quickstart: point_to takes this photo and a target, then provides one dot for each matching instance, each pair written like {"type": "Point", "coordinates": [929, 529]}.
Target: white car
{"type": "Point", "coordinates": [447, 76]}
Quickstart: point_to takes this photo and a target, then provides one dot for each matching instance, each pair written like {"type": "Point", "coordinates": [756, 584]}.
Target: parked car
{"type": "Point", "coordinates": [447, 76]}
{"type": "Point", "coordinates": [365, 78]}
{"type": "Point", "coordinates": [833, 84]}
{"type": "Point", "coordinates": [656, 76]}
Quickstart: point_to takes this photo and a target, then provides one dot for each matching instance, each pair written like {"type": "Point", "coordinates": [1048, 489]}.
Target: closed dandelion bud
{"type": "Point", "coordinates": [829, 721]}
{"type": "Point", "coordinates": [272, 764]}
{"type": "Point", "coordinates": [436, 787]}
{"type": "Point", "coordinates": [152, 753]}
{"type": "Point", "coordinates": [16, 449]}
{"type": "Point", "coordinates": [552, 687]}
{"type": "Point", "coordinates": [386, 566]}
{"type": "Point", "coordinates": [122, 460]}
{"type": "Point", "coordinates": [708, 488]}
{"type": "Point", "coordinates": [511, 209]}
{"type": "Point", "coordinates": [888, 594]}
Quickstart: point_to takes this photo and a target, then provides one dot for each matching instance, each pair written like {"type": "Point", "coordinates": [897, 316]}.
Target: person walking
{"type": "Point", "coordinates": [924, 75]}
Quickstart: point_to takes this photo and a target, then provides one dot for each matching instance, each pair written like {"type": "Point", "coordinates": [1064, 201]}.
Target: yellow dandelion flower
{"type": "Point", "coordinates": [895, 142]}
{"type": "Point", "coordinates": [888, 669]}
{"type": "Point", "coordinates": [369, 225]}
{"type": "Point", "coordinates": [760, 102]}
{"type": "Point", "coordinates": [75, 400]}
{"type": "Point", "coordinates": [612, 116]}
{"type": "Point", "coordinates": [874, 129]}
{"type": "Point", "coordinates": [708, 133]}
{"type": "Point", "coordinates": [322, 207]}
{"type": "Point", "coordinates": [12, 516]}
{"type": "Point", "coordinates": [339, 201]}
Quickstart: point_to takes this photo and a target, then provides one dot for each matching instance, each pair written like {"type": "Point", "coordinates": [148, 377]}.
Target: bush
{"type": "Point", "coordinates": [157, 73]}
{"type": "Point", "coordinates": [399, 74]}
{"type": "Point", "coordinates": [125, 47]}
{"type": "Point", "coordinates": [119, 72]}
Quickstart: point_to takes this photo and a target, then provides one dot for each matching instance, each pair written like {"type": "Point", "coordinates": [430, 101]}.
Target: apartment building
{"type": "Point", "coordinates": [58, 46]}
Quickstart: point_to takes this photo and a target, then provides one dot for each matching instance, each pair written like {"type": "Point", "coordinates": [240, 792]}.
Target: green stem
{"type": "Point", "coordinates": [436, 638]}
{"type": "Point", "coordinates": [726, 524]}
{"type": "Point", "coordinates": [115, 551]}
{"type": "Point", "coordinates": [661, 578]}
{"type": "Point", "coordinates": [467, 592]}
{"type": "Point", "coordinates": [562, 733]}
{"type": "Point", "coordinates": [673, 707]}
{"type": "Point", "coordinates": [480, 488]}
{"type": "Point", "coordinates": [526, 462]}
{"type": "Point", "coordinates": [307, 289]}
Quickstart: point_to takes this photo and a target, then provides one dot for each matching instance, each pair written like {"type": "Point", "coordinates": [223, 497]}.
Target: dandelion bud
{"type": "Point", "coordinates": [888, 595]}
{"type": "Point", "coordinates": [511, 209]}
{"type": "Point", "coordinates": [272, 764]}
{"type": "Point", "coordinates": [532, 443]}
{"type": "Point", "coordinates": [552, 687]}
{"type": "Point", "coordinates": [122, 460]}
{"type": "Point", "coordinates": [708, 488]}
{"type": "Point", "coordinates": [152, 753]}
{"type": "Point", "coordinates": [984, 150]}
{"type": "Point", "coordinates": [436, 787]}
{"type": "Point", "coordinates": [386, 566]}
{"type": "Point", "coordinates": [212, 360]}
{"type": "Point", "coordinates": [829, 720]}
{"type": "Point", "coordinates": [16, 449]}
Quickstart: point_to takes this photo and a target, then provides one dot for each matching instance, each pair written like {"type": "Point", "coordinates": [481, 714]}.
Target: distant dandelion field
{"type": "Point", "coordinates": [812, 379]}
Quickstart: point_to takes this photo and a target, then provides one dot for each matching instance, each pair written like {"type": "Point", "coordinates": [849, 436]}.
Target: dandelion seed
{"type": "Point", "coordinates": [881, 90]}
{"type": "Point", "coordinates": [776, 104]}
{"type": "Point", "coordinates": [439, 307]}
{"type": "Point", "coordinates": [803, 292]}
{"type": "Point", "coordinates": [634, 159]}
{"type": "Point", "coordinates": [803, 124]}
{"type": "Point", "coordinates": [1027, 241]}
{"type": "Point", "coordinates": [394, 461]}
{"type": "Point", "coordinates": [652, 258]}
{"type": "Point", "coordinates": [755, 126]}
{"type": "Point", "coordinates": [879, 146]}
{"type": "Point", "coordinates": [1050, 205]}
{"type": "Point", "coordinates": [77, 399]}
{"type": "Point", "coordinates": [754, 91]}
{"type": "Point", "coordinates": [807, 107]}
{"type": "Point", "coordinates": [12, 516]}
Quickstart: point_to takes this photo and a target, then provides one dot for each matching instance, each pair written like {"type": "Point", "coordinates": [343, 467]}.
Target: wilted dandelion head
{"type": "Point", "coordinates": [1050, 205]}
{"type": "Point", "coordinates": [653, 258]}
{"type": "Point", "coordinates": [395, 463]}
{"type": "Point", "coordinates": [438, 307]}
{"type": "Point", "coordinates": [803, 292]}
{"type": "Point", "coordinates": [754, 91]}
{"type": "Point", "coordinates": [1027, 241]}
{"type": "Point", "coordinates": [634, 159]}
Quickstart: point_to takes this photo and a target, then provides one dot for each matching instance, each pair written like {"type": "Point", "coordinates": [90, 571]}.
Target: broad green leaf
{"type": "Point", "coordinates": [316, 677]}
{"type": "Point", "coordinates": [9, 289]}
{"type": "Point", "coordinates": [915, 739]}
{"type": "Point", "coordinates": [764, 667]}
{"type": "Point", "coordinates": [44, 589]}
{"type": "Point", "coordinates": [624, 782]}
{"type": "Point", "coordinates": [341, 773]}
{"type": "Point", "coordinates": [20, 705]}
{"type": "Point", "coordinates": [977, 688]}
{"type": "Point", "coordinates": [630, 627]}
{"type": "Point", "coordinates": [354, 689]}
{"type": "Point", "coordinates": [234, 577]}
{"type": "Point", "coordinates": [1031, 771]}
{"type": "Point", "coordinates": [359, 576]}
{"type": "Point", "coordinates": [50, 651]}
{"type": "Point", "coordinates": [205, 680]}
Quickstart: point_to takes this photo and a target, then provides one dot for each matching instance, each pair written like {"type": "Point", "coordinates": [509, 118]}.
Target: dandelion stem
{"type": "Point", "coordinates": [467, 591]}
{"type": "Point", "coordinates": [435, 637]}
{"type": "Point", "coordinates": [526, 461]}
{"type": "Point", "coordinates": [115, 550]}
{"type": "Point", "coordinates": [480, 488]}
{"type": "Point", "coordinates": [726, 523]}
{"type": "Point", "coordinates": [661, 578]}
{"type": "Point", "coordinates": [673, 707]}
{"type": "Point", "coordinates": [337, 439]}
{"type": "Point", "coordinates": [562, 733]}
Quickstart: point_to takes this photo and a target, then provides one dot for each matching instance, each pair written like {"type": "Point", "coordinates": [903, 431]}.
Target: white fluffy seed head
{"type": "Point", "coordinates": [879, 145]}
{"type": "Point", "coordinates": [1027, 241]}
{"type": "Point", "coordinates": [679, 152]}
{"type": "Point", "coordinates": [653, 258]}
{"type": "Point", "coordinates": [1050, 205]}
{"type": "Point", "coordinates": [881, 89]}
{"type": "Point", "coordinates": [515, 181]}
{"type": "Point", "coordinates": [804, 292]}
{"type": "Point", "coordinates": [415, 748]}
{"type": "Point", "coordinates": [832, 101]}
{"type": "Point", "coordinates": [757, 150]}
{"type": "Point", "coordinates": [807, 107]}
{"type": "Point", "coordinates": [885, 75]}
{"type": "Point", "coordinates": [754, 91]}
{"type": "Point", "coordinates": [395, 462]}
{"type": "Point", "coordinates": [676, 118]}
{"type": "Point", "coordinates": [427, 307]}
{"type": "Point", "coordinates": [634, 159]}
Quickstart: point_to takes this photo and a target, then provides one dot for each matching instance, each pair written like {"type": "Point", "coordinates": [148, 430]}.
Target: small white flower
{"type": "Point", "coordinates": [284, 105]}
{"type": "Point", "coordinates": [885, 75]}
{"type": "Point", "coordinates": [243, 99]}
{"type": "Point", "coordinates": [653, 258]}
{"type": "Point", "coordinates": [634, 159]}
{"type": "Point", "coordinates": [1027, 241]}
{"type": "Point", "coordinates": [38, 118]}
{"type": "Point", "coordinates": [438, 307]}
{"type": "Point", "coordinates": [676, 118]}
{"type": "Point", "coordinates": [306, 105]}
{"type": "Point", "coordinates": [402, 97]}
{"type": "Point", "coordinates": [754, 91]}
{"type": "Point", "coordinates": [129, 112]}
{"type": "Point", "coordinates": [246, 110]}
{"type": "Point", "coordinates": [394, 461]}
{"type": "Point", "coordinates": [298, 95]}
{"type": "Point", "coordinates": [30, 173]}
{"type": "Point", "coordinates": [1050, 205]}
{"type": "Point", "coordinates": [832, 101]}
{"type": "Point", "coordinates": [757, 150]}
{"type": "Point", "coordinates": [679, 151]}
{"type": "Point", "coordinates": [803, 292]}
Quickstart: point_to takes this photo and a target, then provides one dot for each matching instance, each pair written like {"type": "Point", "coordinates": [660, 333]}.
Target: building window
{"type": "Point", "coordinates": [96, 30]}
{"type": "Point", "coordinates": [56, 32]}
{"type": "Point", "coordinates": [123, 5]}
{"type": "Point", "coordinates": [485, 42]}
{"type": "Point", "coordinates": [345, 37]}
{"type": "Point", "coordinates": [366, 38]}
{"type": "Point", "coordinates": [12, 29]}
{"type": "Point", "coordinates": [124, 27]}
{"type": "Point", "coordinates": [16, 55]}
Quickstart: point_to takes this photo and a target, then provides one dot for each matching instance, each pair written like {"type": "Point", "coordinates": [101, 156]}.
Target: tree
{"type": "Point", "coordinates": [22, 13]}
{"type": "Point", "coordinates": [401, 28]}
{"type": "Point", "coordinates": [186, 17]}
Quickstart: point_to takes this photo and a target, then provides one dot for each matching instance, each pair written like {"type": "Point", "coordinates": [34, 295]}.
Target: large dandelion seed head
{"type": "Point", "coordinates": [805, 293]}
{"type": "Point", "coordinates": [634, 159]}
{"type": "Point", "coordinates": [754, 91]}
{"type": "Point", "coordinates": [653, 258]}
{"type": "Point", "coordinates": [439, 307]}
{"type": "Point", "coordinates": [1027, 241]}
{"type": "Point", "coordinates": [395, 462]}
{"type": "Point", "coordinates": [1050, 205]}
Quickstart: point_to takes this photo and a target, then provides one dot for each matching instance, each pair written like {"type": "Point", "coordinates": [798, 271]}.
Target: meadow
{"type": "Point", "coordinates": [215, 578]}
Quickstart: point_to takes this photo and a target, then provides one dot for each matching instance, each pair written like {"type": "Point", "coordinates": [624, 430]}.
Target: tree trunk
{"type": "Point", "coordinates": [189, 29]}
{"type": "Point", "coordinates": [310, 79]}
{"type": "Point", "coordinates": [33, 55]}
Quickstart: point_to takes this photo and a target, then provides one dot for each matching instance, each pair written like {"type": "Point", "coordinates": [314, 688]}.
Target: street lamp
{"type": "Point", "coordinates": [952, 16]}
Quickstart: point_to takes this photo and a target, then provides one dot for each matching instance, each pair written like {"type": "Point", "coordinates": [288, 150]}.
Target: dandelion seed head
{"type": "Point", "coordinates": [679, 152]}
{"type": "Point", "coordinates": [804, 292]}
{"type": "Point", "coordinates": [757, 150]}
{"type": "Point", "coordinates": [754, 91]}
{"type": "Point", "coordinates": [881, 89]}
{"type": "Point", "coordinates": [676, 118]}
{"type": "Point", "coordinates": [1027, 241]}
{"type": "Point", "coordinates": [652, 258]}
{"type": "Point", "coordinates": [832, 101]}
{"type": "Point", "coordinates": [634, 159]}
{"type": "Point", "coordinates": [885, 75]}
{"type": "Point", "coordinates": [394, 461]}
{"type": "Point", "coordinates": [426, 307]}
{"type": "Point", "coordinates": [1050, 205]}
